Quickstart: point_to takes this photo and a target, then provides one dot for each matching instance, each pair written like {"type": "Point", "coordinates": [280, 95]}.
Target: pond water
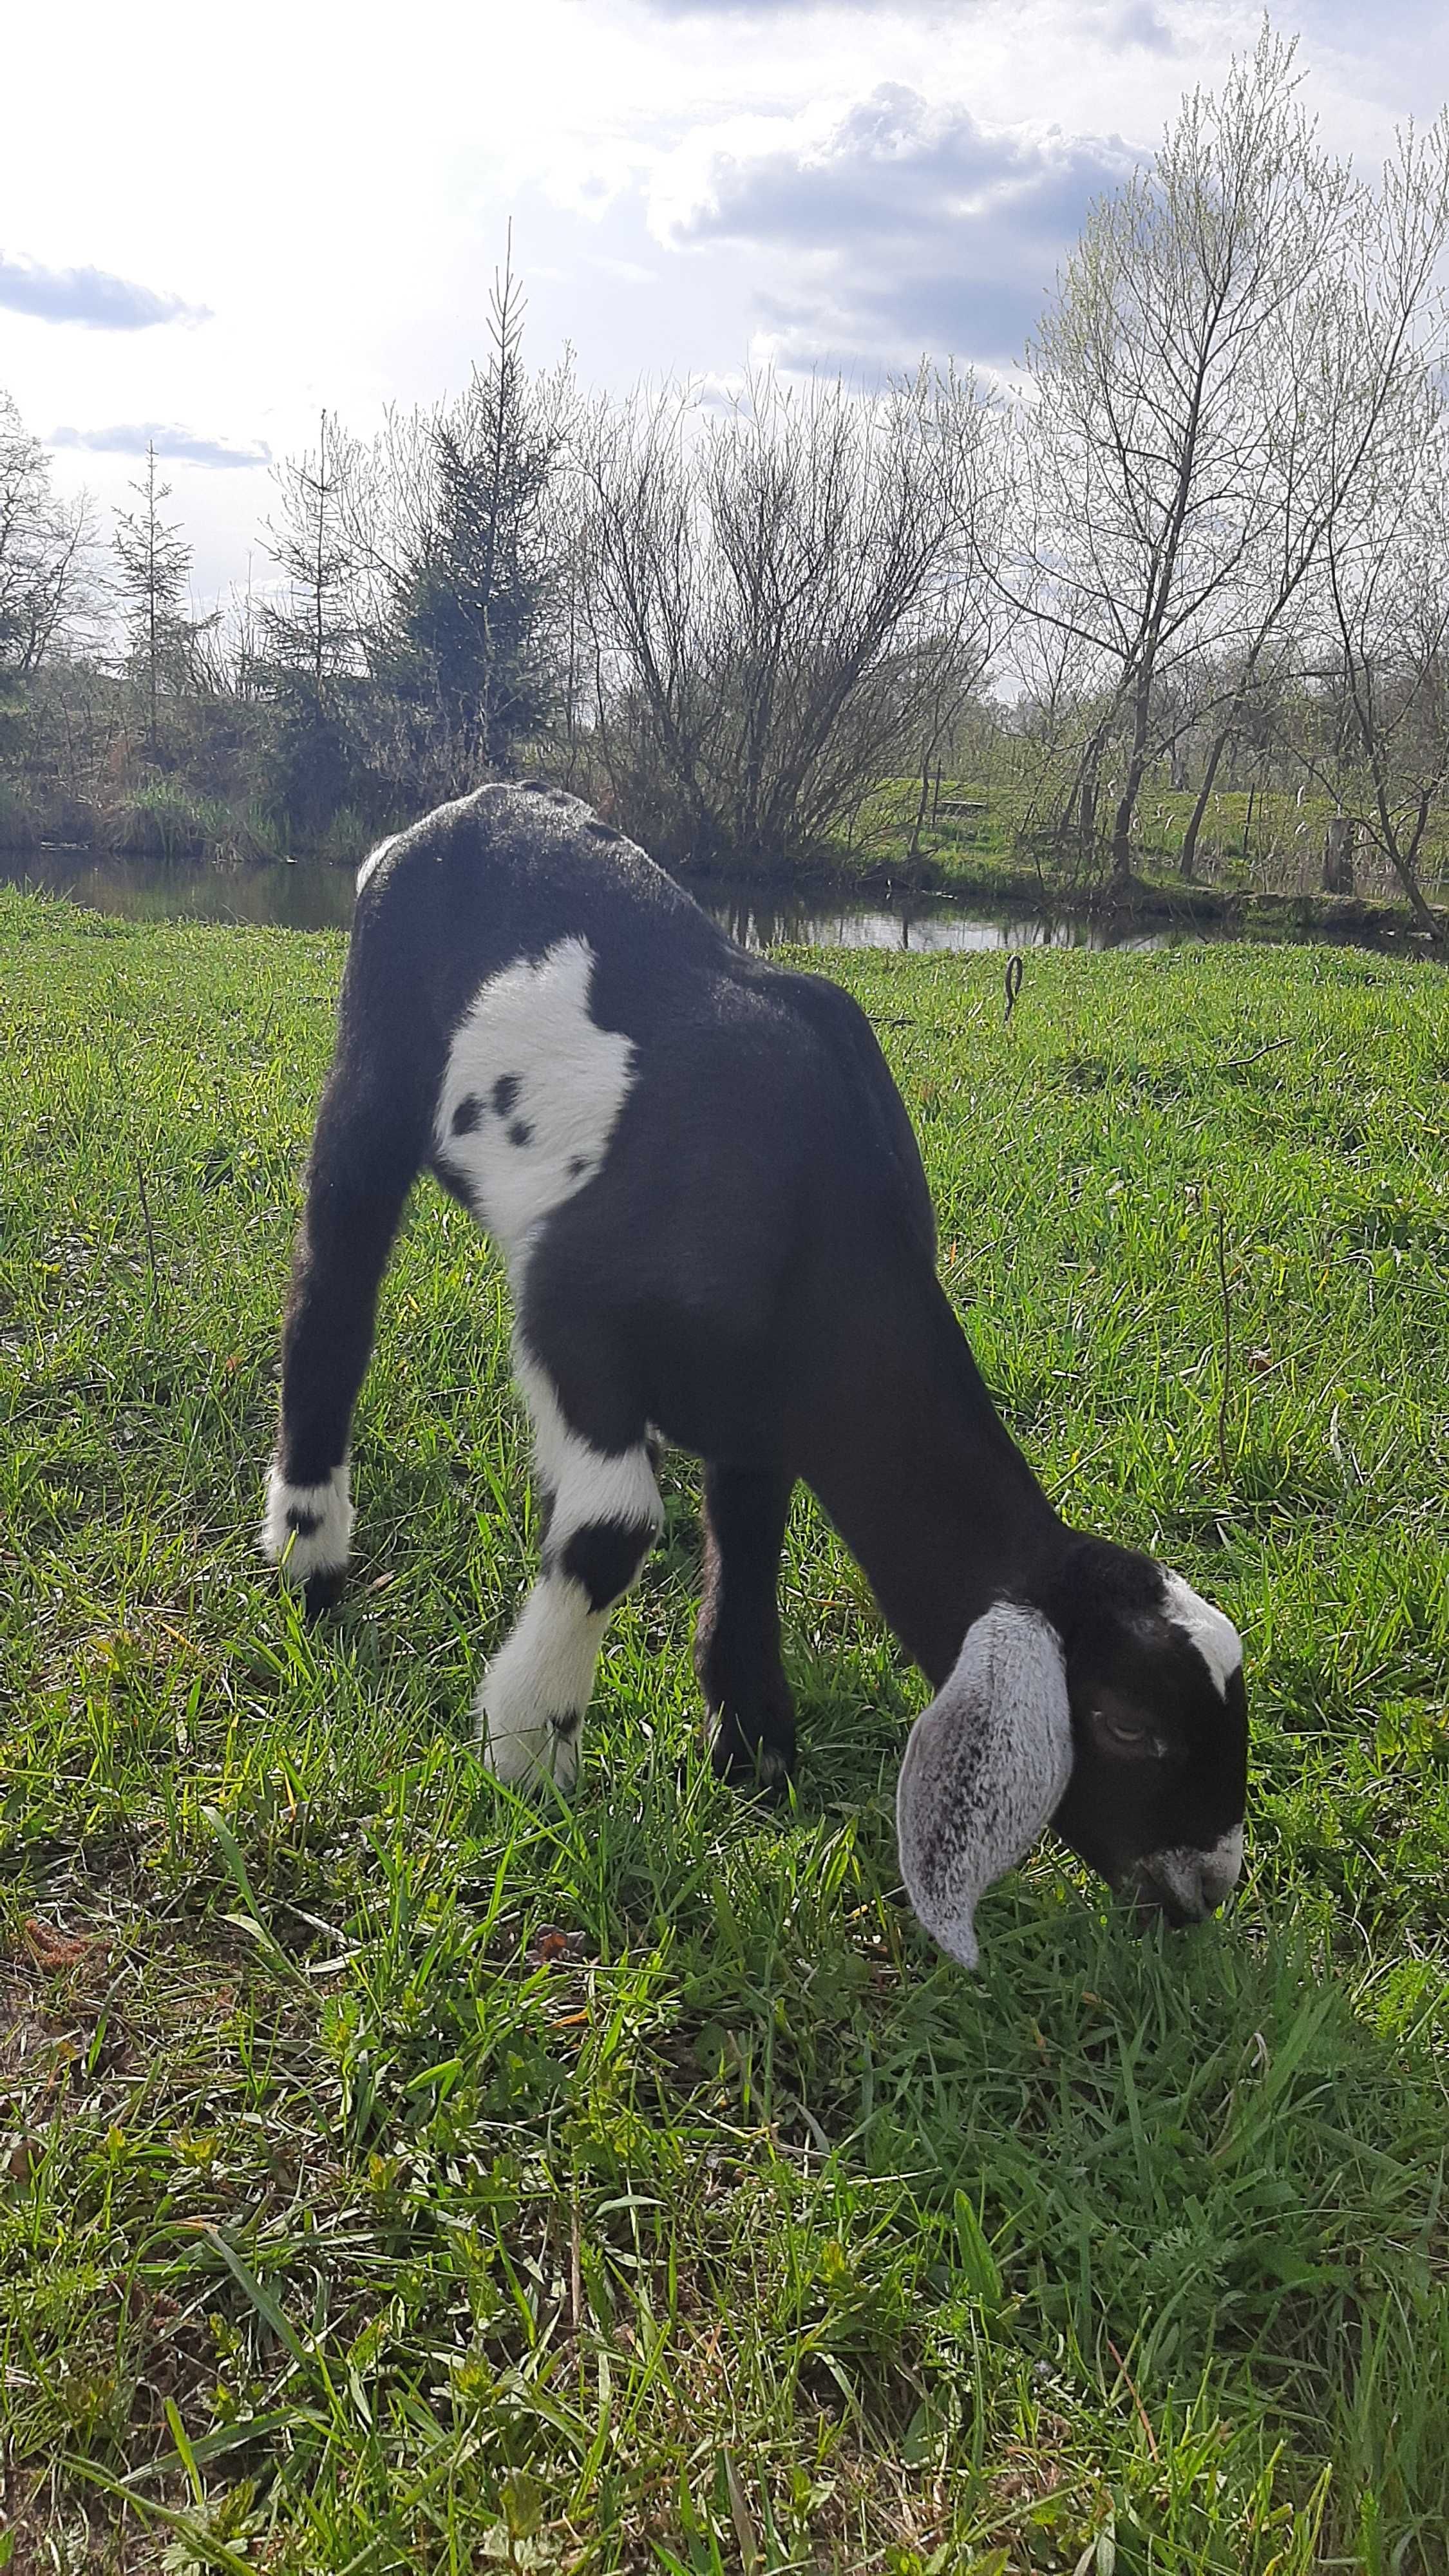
{"type": "Point", "coordinates": [305, 895]}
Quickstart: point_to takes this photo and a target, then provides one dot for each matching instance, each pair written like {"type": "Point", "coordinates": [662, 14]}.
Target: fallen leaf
{"type": "Point", "coordinates": [55, 1950]}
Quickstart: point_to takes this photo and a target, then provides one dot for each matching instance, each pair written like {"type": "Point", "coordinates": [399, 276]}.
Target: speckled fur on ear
{"type": "Point", "coordinates": [985, 1768]}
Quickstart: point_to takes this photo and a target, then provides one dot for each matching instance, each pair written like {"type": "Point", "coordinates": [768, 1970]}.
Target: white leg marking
{"type": "Point", "coordinates": [587, 1484]}
{"type": "Point", "coordinates": [307, 1529]}
{"type": "Point", "coordinates": [531, 1704]}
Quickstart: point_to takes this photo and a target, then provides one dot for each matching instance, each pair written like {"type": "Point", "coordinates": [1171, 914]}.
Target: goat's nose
{"type": "Point", "coordinates": [1192, 1883]}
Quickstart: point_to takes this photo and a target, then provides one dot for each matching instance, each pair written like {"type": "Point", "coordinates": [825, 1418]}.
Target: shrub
{"type": "Point", "coordinates": [19, 824]}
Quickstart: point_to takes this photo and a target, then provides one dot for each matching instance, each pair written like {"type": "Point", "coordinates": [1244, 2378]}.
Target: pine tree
{"type": "Point", "coordinates": [477, 594]}
{"type": "Point", "coordinates": [312, 634]}
{"type": "Point", "coordinates": [155, 572]}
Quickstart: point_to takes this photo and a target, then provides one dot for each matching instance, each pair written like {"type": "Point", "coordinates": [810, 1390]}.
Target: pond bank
{"type": "Point", "coordinates": [991, 905]}
{"type": "Point", "coordinates": [1106, 916]}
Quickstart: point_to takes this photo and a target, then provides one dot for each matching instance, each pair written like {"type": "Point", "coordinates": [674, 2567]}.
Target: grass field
{"type": "Point", "coordinates": [1252, 847]}
{"type": "Point", "coordinates": [396, 2176]}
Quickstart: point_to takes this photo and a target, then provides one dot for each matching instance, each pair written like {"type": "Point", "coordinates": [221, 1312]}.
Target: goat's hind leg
{"type": "Point", "coordinates": [604, 1517]}
{"type": "Point", "coordinates": [365, 1153]}
{"type": "Point", "coordinates": [737, 1641]}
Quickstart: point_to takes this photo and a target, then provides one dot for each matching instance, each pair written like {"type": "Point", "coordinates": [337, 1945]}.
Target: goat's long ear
{"type": "Point", "coordinates": [986, 1765]}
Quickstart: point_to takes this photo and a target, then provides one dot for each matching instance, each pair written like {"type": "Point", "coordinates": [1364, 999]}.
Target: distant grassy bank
{"type": "Point", "coordinates": [1259, 862]}
{"type": "Point", "coordinates": [395, 2177]}
{"type": "Point", "coordinates": [166, 819]}
{"type": "Point", "coordinates": [1259, 858]}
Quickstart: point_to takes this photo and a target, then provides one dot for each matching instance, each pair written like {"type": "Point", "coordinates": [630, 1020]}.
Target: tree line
{"type": "Point", "coordinates": [1201, 536]}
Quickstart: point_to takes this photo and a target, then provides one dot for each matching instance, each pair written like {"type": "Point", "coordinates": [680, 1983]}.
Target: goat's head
{"type": "Point", "coordinates": [1115, 1709]}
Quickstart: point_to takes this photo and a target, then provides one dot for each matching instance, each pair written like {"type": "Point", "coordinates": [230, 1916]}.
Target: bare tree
{"type": "Point", "coordinates": [769, 593]}
{"type": "Point", "coordinates": [1146, 426]}
{"type": "Point", "coordinates": [1381, 614]}
{"type": "Point", "coordinates": [43, 545]}
{"type": "Point", "coordinates": [1347, 372]}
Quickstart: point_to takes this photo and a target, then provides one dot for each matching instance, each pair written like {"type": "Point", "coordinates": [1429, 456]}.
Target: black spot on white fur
{"type": "Point", "coordinates": [520, 1133]}
{"type": "Point", "coordinates": [505, 1094]}
{"type": "Point", "coordinates": [306, 1524]}
{"type": "Point", "coordinates": [467, 1114]}
{"type": "Point", "coordinates": [605, 1556]}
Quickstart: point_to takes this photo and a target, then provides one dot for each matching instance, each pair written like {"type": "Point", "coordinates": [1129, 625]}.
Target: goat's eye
{"type": "Point", "coordinates": [1123, 1734]}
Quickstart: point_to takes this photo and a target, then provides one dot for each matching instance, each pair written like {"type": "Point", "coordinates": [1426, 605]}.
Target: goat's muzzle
{"type": "Point", "coordinates": [1186, 1885]}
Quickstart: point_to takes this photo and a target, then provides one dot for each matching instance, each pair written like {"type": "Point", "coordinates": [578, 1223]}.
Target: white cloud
{"type": "Point", "coordinates": [897, 226]}
{"type": "Point", "coordinates": [92, 297]}
{"type": "Point", "coordinates": [183, 445]}
{"type": "Point", "coordinates": [853, 182]}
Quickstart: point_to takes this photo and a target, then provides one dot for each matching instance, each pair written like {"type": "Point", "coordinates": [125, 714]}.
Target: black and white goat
{"type": "Point", "coordinates": [718, 1228]}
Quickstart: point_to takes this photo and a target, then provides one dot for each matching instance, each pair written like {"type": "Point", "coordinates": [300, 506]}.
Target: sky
{"type": "Point", "coordinates": [212, 224]}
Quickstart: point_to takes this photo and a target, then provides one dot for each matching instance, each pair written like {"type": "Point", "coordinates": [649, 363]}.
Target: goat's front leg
{"type": "Point", "coordinates": [604, 1518]}
{"type": "Point", "coordinates": [364, 1155]}
{"type": "Point", "coordinates": [737, 1642]}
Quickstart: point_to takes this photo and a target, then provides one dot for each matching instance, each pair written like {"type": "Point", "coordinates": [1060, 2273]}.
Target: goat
{"type": "Point", "coordinates": [718, 1230]}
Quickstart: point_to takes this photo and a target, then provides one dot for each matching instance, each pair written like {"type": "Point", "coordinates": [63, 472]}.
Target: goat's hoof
{"type": "Point", "coordinates": [762, 1770]}
{"type": "Point", "coordinates": [540, 1758]}
{"type": "Point", "coordinates": [322, 1592]}
{"type": "Point", "coordinates": [306, 1534]}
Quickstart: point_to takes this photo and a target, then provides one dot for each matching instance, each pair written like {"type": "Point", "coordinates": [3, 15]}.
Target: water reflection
{"type": "Point", "coordinates": [300, 896]}
{"type": "Point", "coordinates": [925, 928]}
{"type": "Point", "coordinates": [305, 895]}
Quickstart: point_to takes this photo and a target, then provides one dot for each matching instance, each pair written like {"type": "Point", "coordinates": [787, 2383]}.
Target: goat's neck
{"type": "Point", "coordinates": [923, 1480]}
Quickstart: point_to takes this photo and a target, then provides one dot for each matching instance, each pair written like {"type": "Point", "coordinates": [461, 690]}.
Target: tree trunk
{"type": "Point", "coordinates": [1087, 816]}
{"type": "Point", "coordinates": [919, 825]}
{"type": "Point", "coordinates": [1131, 785]}
{"type": "Point", "coordinates": [1204, 794]}
{"type": "Point", "coordinates": [1338, 855]}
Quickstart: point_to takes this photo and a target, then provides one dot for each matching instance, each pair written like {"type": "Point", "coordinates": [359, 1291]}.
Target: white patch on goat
{"type": "Point", "coordinates": [530, 1706]}
{"type": "Point", "coordinates": [299, 1550]}
{"type": "Point", "coordinates": [537, 1086]}
{"type": "Point", "coordinates": [532, 1699]}
{"type": "Point", "coordinates": [586, 1484]}
{"type": "Point", "coordinates": [1211, 1631]}
{"type": "Point", "coordinates": [1223, 1865]}
{"type": "Point", "coordinates": [374, 859]}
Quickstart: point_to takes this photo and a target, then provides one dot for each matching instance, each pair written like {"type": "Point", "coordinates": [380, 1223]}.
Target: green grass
{"type": "Point", "coordinates": [1268, 847]}
{"type": "Point", "coordinates": [397, 2176]}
